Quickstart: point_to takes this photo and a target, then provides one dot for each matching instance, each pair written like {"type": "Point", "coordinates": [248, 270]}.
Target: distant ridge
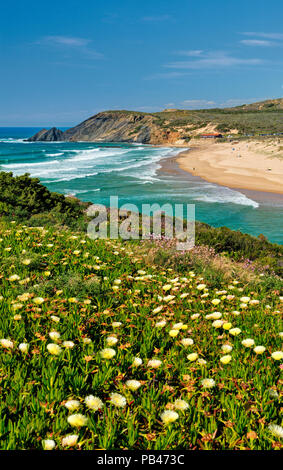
{"type": "Point", "coordinates": [172, 126]}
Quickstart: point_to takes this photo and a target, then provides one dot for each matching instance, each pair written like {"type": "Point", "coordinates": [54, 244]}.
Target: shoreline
{"type": "Point", "coordinates": [237, 165]}
{"type": "Point", "coordinates": [171, 166]}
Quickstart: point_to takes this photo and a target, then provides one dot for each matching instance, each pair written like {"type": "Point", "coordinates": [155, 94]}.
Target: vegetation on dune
{"type": "Point", "coordinates": [110, 344]}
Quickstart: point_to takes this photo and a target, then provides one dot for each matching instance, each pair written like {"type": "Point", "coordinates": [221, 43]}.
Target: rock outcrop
{"type": "Point", "coordinates": [47, 135]}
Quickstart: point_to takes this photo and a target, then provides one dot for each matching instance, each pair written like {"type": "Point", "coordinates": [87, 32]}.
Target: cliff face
{"type": "Point", "coordinates": [112, 126]}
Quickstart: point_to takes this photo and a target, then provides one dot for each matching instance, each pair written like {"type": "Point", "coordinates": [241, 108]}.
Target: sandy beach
{"type": "Point", "coordinates": [253, 165]}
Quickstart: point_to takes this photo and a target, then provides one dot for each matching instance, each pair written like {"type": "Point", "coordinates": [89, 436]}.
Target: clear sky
{"type": "Point", "coordinates": [63, 61]}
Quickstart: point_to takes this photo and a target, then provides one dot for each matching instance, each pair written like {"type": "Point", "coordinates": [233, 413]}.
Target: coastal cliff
{"type": "Point", "coordinates": [172, 126]}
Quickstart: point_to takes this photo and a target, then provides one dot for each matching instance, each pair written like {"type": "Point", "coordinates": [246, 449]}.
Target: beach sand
{"type": "Point", "coordinates": [252, 165]}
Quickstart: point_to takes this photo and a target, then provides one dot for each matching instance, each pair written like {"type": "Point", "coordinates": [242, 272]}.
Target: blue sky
{"type": "Point", "coordinates": [63, 61]}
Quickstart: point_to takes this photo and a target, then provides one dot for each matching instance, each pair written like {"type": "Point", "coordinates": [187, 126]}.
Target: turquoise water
{"type": "Point", "coordinates": [95, 171]}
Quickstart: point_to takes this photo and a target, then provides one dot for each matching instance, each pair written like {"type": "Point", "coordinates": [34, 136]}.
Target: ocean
{"type": "Point", "coordinates": [137, 174]}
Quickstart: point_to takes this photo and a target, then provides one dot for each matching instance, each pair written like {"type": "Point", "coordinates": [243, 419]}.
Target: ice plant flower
{"type": "Point", "coordinates": [259, 349]}
{"type": "Point", "coordinates": [70, 440]}
{"type": "Point", "coordinates": [133, 384]}
{"type": "Point", "coordinates": [23, 347]}
{"type": "Point", "coordinates": [118, 400]}
{"type": "Point", "coordinates": [154, 363]}
{"type": "Point", "coordinates": [173, 333]}
{"type": "Point", "coordinates": [137, 362]}
{"type": "Point", "coordinates": [226, 359]}
{"type": "Point", "coordinates": [235, 331]}
{"type": "Point", "coordinates": [54, 335]}
{"type": "Point", "coordinates": [93, 403]}
{"type": "Point", "coordinates": [111, 340]}
{"type": "Point", "coordinates": [6, 343]}
{"type": "Point", "coordinates": [54, 349]}
{"type": "Point", "coordinates": [277, 355]}
{"type": "Point", "coordinates": [248, 343]}
{"type": "Point", "coordinates": [192, 357]}
{"type": "Point", "coordinates": [180, 404]}
{"type": "Point", "coordinates": [14, 277]}
{"type": "Point", "coordinates": [48, 444]}
{"type": "Point", "coordinates": [226, 348]}
{"type": "Point", "coordinates": [77, 420]}
{"type": "Point", "coordinates": [116, 324]}
{"type": "Point", "coordinates": [169, 416]}
{"type": "Point", "coordinates": [38, 300]}
{"type": "Point", "coordinates": [160, 324]}
{"type": "Point", "coordinates": [107, 353]}
{"type": "Point", "coordinates": [276, 430]}
{"type": "Point", "coordinates": [72, 405]}
{"type": "Point", "coordinates": [187, 342]}
{"type": "Point", "coordinates": [68, 344]}
{"type": "Point", "coordinates": [216, 301]}
{"type": "Point", "coordinates": [208, 383]}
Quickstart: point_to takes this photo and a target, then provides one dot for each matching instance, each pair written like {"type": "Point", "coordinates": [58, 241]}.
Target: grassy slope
{"type": "Point", "coordinates": [256, 118]}
{"type": "Point", "coordinates": [77, 281]}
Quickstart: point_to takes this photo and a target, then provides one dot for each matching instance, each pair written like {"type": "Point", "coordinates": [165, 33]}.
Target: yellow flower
{"type": "Point", "coordinates": [227, 326]}
{"type": "Point", "coordinates": [118, 400]}
{"type": "Point", "coordinates": [169, 416]}
{"type": "Point", "coordinates": [173, 333]}
{"type": "Point", "coordinates": [226, 348]}
{"type": "Point", "coordinates": [216, 301]}
{"type": "Point", "coordinates": [277, 355]}
{"type": "Point", "coordinates": [38, 300]}
{"type": "Point", "coordinates": [26, 262]}
{"type": "Point", "coordinates": [77, 420]}
{"type": "Point", "coordinates": [226, 359]}
{"type": "Point", "coordinates": [259, 349]}
{"type": "Point", "coordinates": [94, 403]}
{"type": "Point", "coordinates": [107, 353]}
{"type": "Point", "coordinates": [54, 349]}
{"type": "Point", "coordinates": [235, 331]}
{"type": "Point", "coordinates": [54, 335]}
{"type": "Point", "coordinates": [192, 357]}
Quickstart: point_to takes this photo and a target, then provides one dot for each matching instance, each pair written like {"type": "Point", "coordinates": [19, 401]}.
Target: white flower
{"type": "Point", "coordinates": [55, 318]}
{"type": "Point", "coordinates": [208, 383]}
{"type": "Point", "coordinates": [187, 342]}
{"type": "Point", "coordinates": [276, 430]}
{"type": "Point", "coordinates": [70, 440]}
{"type": "Point", "coordinates": [160, 324]}
{"type": "Point", "coordinates": [68, 344]}
{"type": "Point", "coordinates": [235, 331]}
{"type": "Point", "coordinates": [154, 363]}
{"type": "Point", "coordinates": [23, 347]}
{"type": "Point", "coordinates": [217, 323]}
{"type": "Point", "coordinates": [214, 316]}
{"type": "Point", "coordinates": [180, 404]}
{"type": "Point", "coordinates": [94, 403]}
{"type": "Point", "coordinates": [226, 348]}
{"type": "Point", "coordinates": [192, 357]}
{"type": "Point", "coordinates": [87, 340]}
{"type": "Point", "coordinates": [118, 400]}
{"type": "Point", "coordinates": [133, 384]}
{"type": "Point", "coordinates": [259, 349]}
{"type": "Point", "coordinates": [54, 335]}
{"type": "Point", "coordinates": [116, 324]}
{"type": "Point", "coordinates": [248, 343]}
{"type": "Point", "coordinates": [6, 343]}
{"type": "Point", "coordinates": [48, 444]}
{"type": "Point", "coordinates": [72, 405]}
{"type": "Point", "coordinates": [137, 362]}
{"type": "Point", "coordinates": [111, 340]}
{"type": "Point", "coordinates": [169, 416]}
